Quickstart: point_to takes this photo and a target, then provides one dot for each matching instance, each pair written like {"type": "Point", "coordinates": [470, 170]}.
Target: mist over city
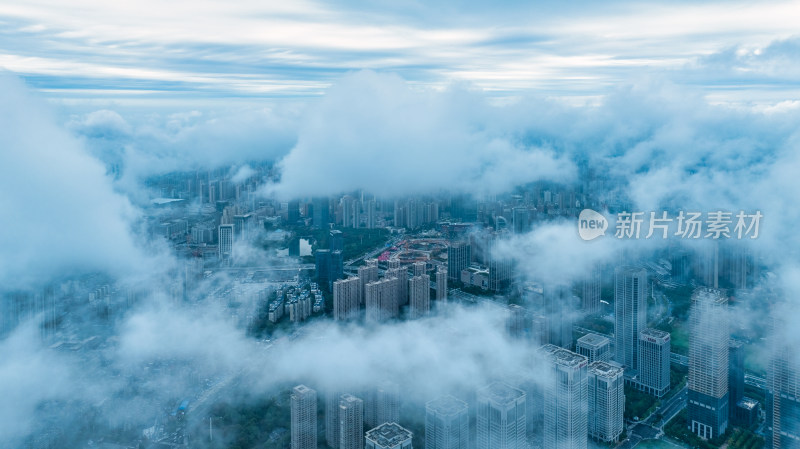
{"type": "Point", "coordinates": [353, 225]}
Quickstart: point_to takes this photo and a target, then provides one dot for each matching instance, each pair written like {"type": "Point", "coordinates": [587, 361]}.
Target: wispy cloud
{"type": "Point", "coordinates": [270, 49]}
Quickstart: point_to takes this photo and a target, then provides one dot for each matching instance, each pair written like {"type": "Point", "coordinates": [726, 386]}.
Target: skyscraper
{"type": "Point", "coordinates": [708, 363]}
{"type": "Point", "coordinates": [401, 275]}
{"type": "Point", "coordinates": [332, 424]}
{"type": "Point", "coordinates": [501, 417]}
{"type": "Point", "coordinates": [321, 211]}
{"type": "Point", "coordinates": [783, 392]}
{"type": "Point", "coordinates": [566, 406]}
{"type": "Point", "coordinates": [381, 300]}
{"type": "Point", "coordinates": [606, 389]}
{"type": "Point", "coordinates": [458, 258]}
{"type": "Point", "coordinates": [594, 347]}
{"type": "Point", "coordinates": [516, 322]}
{"type": "Point", "coordinates": [560, 310]}
{"type": "Point", "coordinates": [346, 298]}
{"type": "Point", "coordinates": [446, 424]}
{"type": "Point", "coordinates": [591, 292]}
{"type": "Point", "coordinates": [419, 289]}
{"type": "Point", "coordinates": [735, 375]}
{"type": "Point", "coordinates": [293, 212]}
{"type": "Point", "coordinates": [388, 436]}
{"type": "Point", "coordinates": [653, 375]}
{"type": "Point", "coordinates": [372, 215]}
{"type": "Point", "coordinates": [441, 284]}
{"type": "Point", "coordinates": [336, 240]}
{"type": "Point", "coordinates": [366, 273]}
{"type": "Point", "coordinates": [387, 402]}
{"type": "Point", "coordinates": [304, 418]}
{"type": "Point", "coordinates": [351, 422]}
{"type": "Point", "coordinates": [630, 313]}
{"type": "Point", "coordinates": [520, 217]}
{"type": "Point", "coordinates": [225, 243]}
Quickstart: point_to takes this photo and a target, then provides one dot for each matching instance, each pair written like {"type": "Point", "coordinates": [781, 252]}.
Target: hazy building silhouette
{"type": "Point", "coordinates": [446, 424]}
{"type": "Point", "coordinates": [304, 418]}
{"type": "Point", "coordinates": [630, 313]}
{"type": "Point", "coordinates": [501, 417]}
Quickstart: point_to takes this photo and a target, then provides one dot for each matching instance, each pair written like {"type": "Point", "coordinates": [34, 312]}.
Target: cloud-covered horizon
{"type": "Point", "coordinates": [90, 51]}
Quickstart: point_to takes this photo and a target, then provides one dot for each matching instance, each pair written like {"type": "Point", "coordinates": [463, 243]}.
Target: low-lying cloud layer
{"type": "Point", "coordinates": [61, 213]}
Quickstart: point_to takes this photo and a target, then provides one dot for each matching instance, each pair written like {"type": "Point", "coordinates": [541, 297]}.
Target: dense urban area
{"type": "Point", "coordinates": [654, 350]}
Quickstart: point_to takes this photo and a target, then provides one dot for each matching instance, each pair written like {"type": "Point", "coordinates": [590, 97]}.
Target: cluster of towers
{"type": "Point", "coordinates": [383, 297]}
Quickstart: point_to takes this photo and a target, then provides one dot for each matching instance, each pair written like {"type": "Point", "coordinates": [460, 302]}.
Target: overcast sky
{"type": "Point", "coordinates": [201, 51]}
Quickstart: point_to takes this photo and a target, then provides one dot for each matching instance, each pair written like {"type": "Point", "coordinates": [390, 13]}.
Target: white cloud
{"type": "Point", "coordinates": [62, 214]}
{"type": "Point", "coordinates": [377, 132]}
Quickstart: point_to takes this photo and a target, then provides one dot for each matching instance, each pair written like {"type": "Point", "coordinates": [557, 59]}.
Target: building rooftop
{"type": "Point", "coordinates": [655, 333]}
{"type": "Point", "coordinates": [302, 389]}
{"type": "Point", "coordinates": [566, 357]}
{"type": "Point", "coordinates": [446, 405]}
{"type": "Point", "coordinates": [349, 398]}
{"type": "Point", "coordinates": [593, 340]}
{"type": "Point", "coordinates": [605, 369]}
{"type": "Point", "coordinates": [388, 435]}
{"type": "Point", "coordinates": [709, 295]}
{"type": "Point", "coordinates": [747, 403]}
{"type": "Point", "coordinates": [501, 393]}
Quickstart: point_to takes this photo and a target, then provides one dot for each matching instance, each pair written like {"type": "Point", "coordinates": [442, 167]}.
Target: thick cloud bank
{"type": "Point", "coordinates": [61, 214]}
{"type": "Point", "coordinates": [378, 132]}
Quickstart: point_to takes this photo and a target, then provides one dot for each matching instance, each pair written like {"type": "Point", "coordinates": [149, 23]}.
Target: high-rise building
{"type": "Point", "coordinates": [346, 298]}
{"type": "Point", "coordinates": [606, 401]}
{"type": "Point", "coordinates": [372, 215]}
{"type": "Point", "coordinates": [388, 436]}
{"type": "Point", "coordinates": [384, 404]}
{"type": "Point", "coordinates": [594, 347]}
{"type": "Point", "coordinates": [653, 375]}
{"type": "Point", "coordinates": [441, 284]}
{"type": "Point", "coordinates": [446, 424]}
{"type": "Point", "coordinates": [520, 216]}
{"type": "Point", "coordinates": [401, 275]}
{"type": "Point", "coordinates": [293, 212]}
{"type": "Point", "coordinates": [367, 273]}
{"type": "Point", "coordinates": [591, 292]}
{"type": "Point", "coordinates": [332, 424]}
{"type": "Point", "coordinates": [321, 212]}
{"type": "Point", "coordinates": [516, 322]}
{"type": "Point", "coordinates": [458, 258]}
{"type": "Point", "coordinates": [566, 406]}
{"type": "Point", "coordinates": [783, 393]}
{"type": "Point", "coordinates": [336, 240]}
{"type": "Point", "coordinates": [351, 422]}
{"type": "Point", "coordinates": [735, 375]}
{"type": "Point", "coordinates": [329, 266]}
{"type": "Point", "coordinates": [708, 363]}
{"type": "Point", "coordinates": [381, 300]}
{"type": "Point", "coordinates": [630, 313]}
{"type": "Point", "coordinates": [225, 243]}
{"type": "Point", "coordinates": [419, 290]}
{"type": "Point", "coordinates": [419, 268]}
{"type": "Point", "coordinates": [304, 418]}
{"type": "Point", "coordinates": [501, 417]}
{"type": "Point", "coordinates": [560, 309]}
